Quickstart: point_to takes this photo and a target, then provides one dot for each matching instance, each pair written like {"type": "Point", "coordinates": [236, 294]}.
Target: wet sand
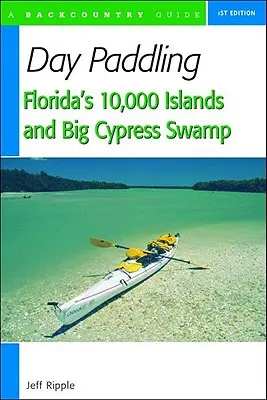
{"type": "Point", "coordinates": [179, 303]}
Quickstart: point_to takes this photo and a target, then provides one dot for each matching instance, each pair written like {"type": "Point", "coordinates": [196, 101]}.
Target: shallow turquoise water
{"type": "Point", "coordinates": [49, 233]}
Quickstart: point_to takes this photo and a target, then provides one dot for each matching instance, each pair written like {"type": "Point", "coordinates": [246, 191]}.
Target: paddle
{"type": "Point", "coordinates": [105, 244]}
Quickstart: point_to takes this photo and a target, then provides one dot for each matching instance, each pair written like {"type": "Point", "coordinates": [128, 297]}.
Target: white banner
{"type": "Point", "coordinates": [138, 370]}
{"type": "Point", "coordinates": [219, 64]}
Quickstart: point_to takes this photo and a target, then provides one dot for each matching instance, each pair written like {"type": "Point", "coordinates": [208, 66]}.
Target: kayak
{"type": "Point", "coordinates": [111, 285]}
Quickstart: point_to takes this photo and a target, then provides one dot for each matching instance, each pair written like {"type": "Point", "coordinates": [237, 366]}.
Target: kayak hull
{"type": "Point", "coordinates": [112, 285]}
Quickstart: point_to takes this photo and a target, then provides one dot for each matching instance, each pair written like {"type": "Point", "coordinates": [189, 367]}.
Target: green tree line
{"type": "Point", "coordinates": [16, 180]}
{"type": "Point", "coordinates": [257, 185]}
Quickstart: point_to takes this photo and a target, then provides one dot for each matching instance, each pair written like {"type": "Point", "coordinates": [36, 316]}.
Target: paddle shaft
{"type": "Point", "coordinates": [104, 243]}
{"type": "Point", "coordinates": [170, 258]}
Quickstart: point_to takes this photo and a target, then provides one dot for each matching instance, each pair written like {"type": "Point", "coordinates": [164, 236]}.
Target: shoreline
{"type": "Point", "coordinates": [5, 194]}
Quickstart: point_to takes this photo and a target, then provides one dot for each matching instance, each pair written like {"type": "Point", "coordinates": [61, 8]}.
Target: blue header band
{"type": "Point", "coordinates": [236, 13]}
{"type": "Point", "coordinates": [9, 90]}
{"type": "Point", "coordinates": [9, 371]}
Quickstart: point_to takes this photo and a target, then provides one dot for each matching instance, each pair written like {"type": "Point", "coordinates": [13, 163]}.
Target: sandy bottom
{"type": "Point", "coordinates": [179, 303]}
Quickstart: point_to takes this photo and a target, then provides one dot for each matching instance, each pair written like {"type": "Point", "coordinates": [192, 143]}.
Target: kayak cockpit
{"type": "Point", "coordinates": [156, 249]}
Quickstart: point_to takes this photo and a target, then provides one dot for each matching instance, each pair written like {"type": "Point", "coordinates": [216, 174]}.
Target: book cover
{"type": "Point", "coordinates": [133, 190]}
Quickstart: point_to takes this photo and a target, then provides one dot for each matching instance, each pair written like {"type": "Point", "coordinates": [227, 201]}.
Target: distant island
{"type": "Point", "coordinates": [16, 180]}
{"type": "Point", "coordinates": [160, 187]}
{"type": "Point", "coordinates": [257, 185]}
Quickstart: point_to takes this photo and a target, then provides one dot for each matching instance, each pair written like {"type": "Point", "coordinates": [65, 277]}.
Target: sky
{"type": "Point", "coordinates": [143, 171]}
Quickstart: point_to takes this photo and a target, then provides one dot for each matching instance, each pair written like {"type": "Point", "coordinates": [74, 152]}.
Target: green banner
{"type": "Point", "coordinates": [103, 13]}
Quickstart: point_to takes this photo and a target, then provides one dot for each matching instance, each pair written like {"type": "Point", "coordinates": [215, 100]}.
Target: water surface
{"type": "Point", "coordinates": [47, 235]}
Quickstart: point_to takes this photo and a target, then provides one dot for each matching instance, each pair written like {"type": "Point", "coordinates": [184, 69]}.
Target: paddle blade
{"type": "Point", "coordinates": [101, 243]}
{"type": "Point", "coordinates": [200, 266]}
{"type": "Point", "coordinates": [196, 264]}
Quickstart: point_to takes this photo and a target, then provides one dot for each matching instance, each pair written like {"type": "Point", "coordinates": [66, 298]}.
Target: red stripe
{"type": "Point", "coordinates": [112, 287]}
{"type": "Point", "coordinates": [103, 291]}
